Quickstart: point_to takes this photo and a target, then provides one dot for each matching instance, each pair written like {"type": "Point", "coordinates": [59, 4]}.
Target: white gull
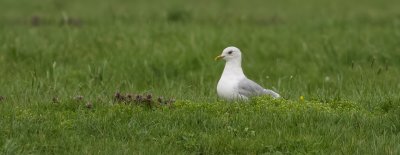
{"type": "Point", "coordinates": [234, 85]}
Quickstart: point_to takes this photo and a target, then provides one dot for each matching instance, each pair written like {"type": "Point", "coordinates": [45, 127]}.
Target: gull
{"type": "Point", "coordinates": [233, 84]}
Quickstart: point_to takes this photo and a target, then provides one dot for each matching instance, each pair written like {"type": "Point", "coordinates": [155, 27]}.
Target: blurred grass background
{"type": "Point", "coordinates": [320, 49]}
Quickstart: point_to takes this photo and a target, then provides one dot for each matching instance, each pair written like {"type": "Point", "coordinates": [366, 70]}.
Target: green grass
{"type": "Point", "coordinates": [342, 56]}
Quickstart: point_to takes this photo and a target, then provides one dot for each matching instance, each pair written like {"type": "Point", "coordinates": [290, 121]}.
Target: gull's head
{"type": "Point", "coordinates": [230, 53]}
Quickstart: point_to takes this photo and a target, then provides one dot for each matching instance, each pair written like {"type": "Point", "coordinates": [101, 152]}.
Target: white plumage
{"type": "Point", "coordinates": [233, 84]}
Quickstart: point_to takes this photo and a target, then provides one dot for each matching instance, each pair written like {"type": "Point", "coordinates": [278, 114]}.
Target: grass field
{"type": "Point", "coordinates": [57, 56]}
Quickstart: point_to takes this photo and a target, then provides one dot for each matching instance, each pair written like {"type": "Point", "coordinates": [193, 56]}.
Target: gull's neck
{"type": "Point", "coordinates": [233, 68]}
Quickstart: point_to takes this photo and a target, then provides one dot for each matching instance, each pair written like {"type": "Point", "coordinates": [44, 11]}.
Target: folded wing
{"type": "Point", "coordinates": [249, 88]}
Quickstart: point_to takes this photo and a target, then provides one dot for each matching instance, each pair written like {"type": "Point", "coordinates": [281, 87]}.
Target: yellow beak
{"type": "Point", "coordinates": [219, 57]}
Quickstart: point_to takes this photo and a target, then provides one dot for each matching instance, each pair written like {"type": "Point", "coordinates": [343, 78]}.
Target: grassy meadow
{"type": "Point", "coordinates": [62, 62]}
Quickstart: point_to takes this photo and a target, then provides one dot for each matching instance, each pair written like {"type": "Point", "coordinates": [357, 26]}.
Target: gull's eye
{"type": "Point", "coordinates": [230, 52]}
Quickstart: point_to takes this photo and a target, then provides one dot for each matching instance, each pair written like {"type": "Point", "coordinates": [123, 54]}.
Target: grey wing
{"type": "Point", "coordinates": [249, 88]}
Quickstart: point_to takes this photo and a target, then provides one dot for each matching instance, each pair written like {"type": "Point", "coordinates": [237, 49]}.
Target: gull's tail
{"type": "Point", "coordinates": [272, 93]}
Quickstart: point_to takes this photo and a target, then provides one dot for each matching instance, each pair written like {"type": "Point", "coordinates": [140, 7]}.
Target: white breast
{"type": "Point", "coordinates": [227, 88]}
